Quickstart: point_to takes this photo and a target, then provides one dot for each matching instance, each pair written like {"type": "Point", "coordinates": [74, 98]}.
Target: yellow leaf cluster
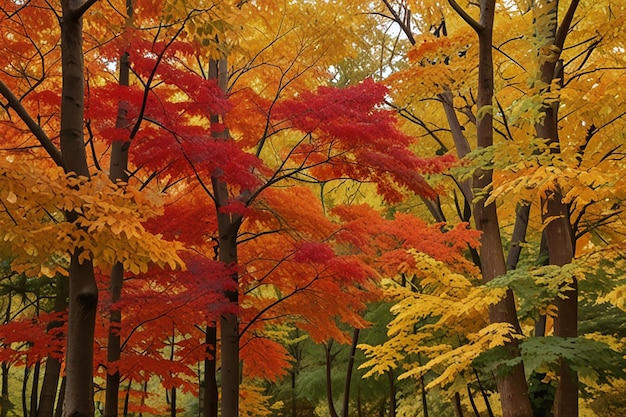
{"type": "Point", "coordinates": [108, 226]}
{"type": "Point", "coordinates": [253, 403]}
{"type": "Point", "coordinates": [442, 318]}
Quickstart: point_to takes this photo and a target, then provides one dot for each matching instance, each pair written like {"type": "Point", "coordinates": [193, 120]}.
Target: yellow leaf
{"type": "Point", "coordinates": [12, 198]}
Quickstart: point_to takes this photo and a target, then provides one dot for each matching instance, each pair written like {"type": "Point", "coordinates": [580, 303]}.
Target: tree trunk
{"type": "Point", "coordinates": [329, 383]}
{"type": "Point", "coordinates": [558, 231]}
{"type": "Point", "coordinates": [470, 396]}
{"type": "Point", "coordinates": [111, 400]}
{"type": "Point", "coordinates": [512, 385]}
{"type": "Point", "coordinates": [228, 227]}
{"type": "Point", "coordinates": [5, 404]}
{"type": "Point", "coordinates": [83, 298]}
{"type": "Point", "coordinates": [346, 390]}
{"type": "Point", "coordinates": [58, 412]}
{"type": "Point", "coordinates": [456, 402]}
{"type": "Point", "coordinates": [50, 384]}
{"type": "Point", "coordinates": [24, 385]}
{"type": "Point", "coordinates": [210, 383]}
{"type": "Point", "coordinates": [117, 172]}
{"type": "Point", "coordinates": [127, 399]}
{"type": "Point", "coordinates": [34, 392]}
{"type": "Point", "coordinates": [173, 403]}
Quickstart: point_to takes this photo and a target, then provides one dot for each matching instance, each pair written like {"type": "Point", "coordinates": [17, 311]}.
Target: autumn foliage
{"type": "Point", "coordinates": [328, 201]}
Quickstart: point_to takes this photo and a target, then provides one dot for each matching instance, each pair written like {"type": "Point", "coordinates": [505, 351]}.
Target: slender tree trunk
{"type": "Point", "coordinates": [50, 384]}
{"type": "Point", "coordinates": [83, 298]}
{"type": "Point", "coordinates": [127, 399]}
{"type": "Point", "coordinates": [423, 389]}
{"type": "Point", "coordinates": [346, 390]}
{"type": "Point", "coordinates": [111, 399]}
{"type": "Point", "coordinates": [228, 227]}
{"type": "Point", "coordinates": [472, 402]}
{"type": "Point", "coordinates": [211, 401]}
{"type": "Point", "coordinates": [329, 384]}
{"type": "Point", "coordinates": [117, 172]}
{"type": "Point", "coordinates": [173, 403]}
{"type": "Point", "coordinates": [34, 392]}
{"type": "Point", "coordinates": [484, 395]}
{"type": "Point", "coordinates": [5, 404]}
{"type": "Point", "coordinates": [456, 402]}
{"type": "Point", "coordinates": [58, 412]}
{"type": "Point", "coordinates": [24, 387]}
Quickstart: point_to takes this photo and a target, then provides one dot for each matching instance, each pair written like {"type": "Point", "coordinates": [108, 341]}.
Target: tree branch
{"type": "Point", "coordinates": [465, 16]}
{"type": "Point", "coordinates": [80, 11]}
{"type": "Point", "coordinates": [565, 24]}
{"type": "Point", "coordinates": [34, 127]}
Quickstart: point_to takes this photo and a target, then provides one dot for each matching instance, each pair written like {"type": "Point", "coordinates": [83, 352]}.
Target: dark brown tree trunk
{"type": "Point", "coordinates": [456, 402]}
{"type": "Point", "coordinates": [173, 403]}
{"type": "Point", "coordinates": [111, 400]}
{"type": "Point", "coordinates": [228, 227]}
{"type": "Point", "coordinates": [34, 392]}
{"type": "Point", "coordinates": [24, 387]}
{"type": "Point", "coordinates": [83, 292]}
{"type": "Point", "coordinates": [423, 395]}
{"type": "Point", "coordinates": [512, 385]}
{"type": "Point", "coordinates": [210, 403]}
{"type": "Point", "coordinates": [5, 404]}
{"type": "Point", "coordinates": [50, 384]}
{"type": "Point", "coordinates": [127, 399]}
{"type": "Point", "coordinates": [484, 395]}
{"type": "Point", "coordinates": [346, 390]}
{"type": "Point", "coordinates": [329, 384]}
{"type": "Point", "coordinates": [470, 396]}
{"type": "Point", "coordinates": [117, 172]}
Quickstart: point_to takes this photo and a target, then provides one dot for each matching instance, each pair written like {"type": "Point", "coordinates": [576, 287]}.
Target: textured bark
{"type": "Point", "coordinates": [512, 385]}
{"type": "Point", "coordinates": [558, 232]}
{"type": "Point", "coordinates": [117, 172]}
{"type": "Point", "coordinates": [50, 384]}
{"type": "Point", "coordinates": [83, 292]}
{"type": "Point", "coordinates": [228, 227]}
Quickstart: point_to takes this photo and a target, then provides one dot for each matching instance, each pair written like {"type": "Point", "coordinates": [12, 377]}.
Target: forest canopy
{"type": "Point", "coordinates": [312, 208]}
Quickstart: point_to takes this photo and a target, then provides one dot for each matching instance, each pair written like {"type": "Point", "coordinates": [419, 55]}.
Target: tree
{"type": "Point", "coordinates": [74, 193]}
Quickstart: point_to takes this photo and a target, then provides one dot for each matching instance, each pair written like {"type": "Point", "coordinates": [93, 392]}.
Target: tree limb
{"type": "Point", "coordinates": [465, 16]}
{"type": "Point", "coordinates": [565, 24]}
{"type": "Point", "coordinates": [80, 11]}
{"type": "Point", "coordinates": [34, 127]}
